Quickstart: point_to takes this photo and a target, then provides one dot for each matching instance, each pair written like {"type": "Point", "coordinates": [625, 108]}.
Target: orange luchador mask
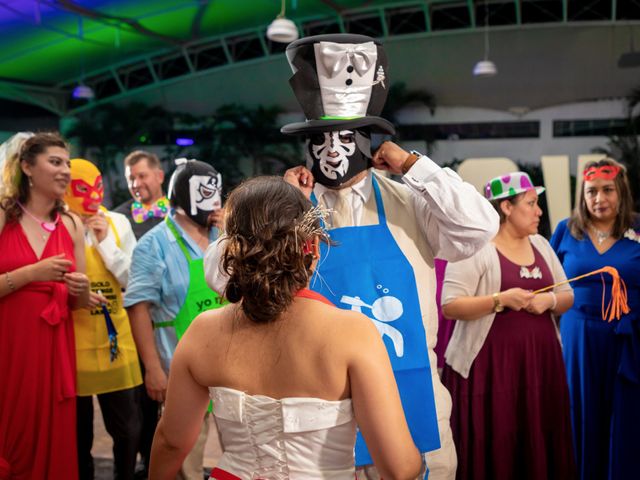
{"type": "Point", "coordinates": [85, 192]}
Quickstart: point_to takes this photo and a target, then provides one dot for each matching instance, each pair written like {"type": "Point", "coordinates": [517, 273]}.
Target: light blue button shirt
{"type": "Point", "coordinates": [160, 275]}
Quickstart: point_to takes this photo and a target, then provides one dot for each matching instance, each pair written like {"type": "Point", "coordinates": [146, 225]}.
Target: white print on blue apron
{"type": "Point", "coordinates": [367, 272]}
{"type": "Point", "coordinates": [384, 309]}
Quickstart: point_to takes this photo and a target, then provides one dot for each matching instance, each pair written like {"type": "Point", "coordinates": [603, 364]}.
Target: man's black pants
{"type": "Point", "coordinates": [122, 419]}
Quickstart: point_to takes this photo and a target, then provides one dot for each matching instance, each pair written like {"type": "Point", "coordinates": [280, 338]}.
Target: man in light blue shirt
{"type": "Point", "coordinates": [159, 277]}
{"type": "Point", "coordinates": [166, 287]}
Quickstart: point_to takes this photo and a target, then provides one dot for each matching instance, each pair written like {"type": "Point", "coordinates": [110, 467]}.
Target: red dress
{"type": "Point", "coordinates": [37, 367]}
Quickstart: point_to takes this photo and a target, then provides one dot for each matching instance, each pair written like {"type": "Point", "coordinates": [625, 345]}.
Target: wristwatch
{"type": "Point", "coordinates": [497, 306]}
{"type": "Point", "coordinates": [410, 160]}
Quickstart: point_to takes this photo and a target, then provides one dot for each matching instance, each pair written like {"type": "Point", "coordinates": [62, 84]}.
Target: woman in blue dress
{"type": "Point", "coordinates": [602, 359]}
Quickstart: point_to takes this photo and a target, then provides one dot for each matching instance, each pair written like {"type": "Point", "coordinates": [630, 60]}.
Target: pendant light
{"type": "Point", "coordinates": [282, 29]}
{"type": "Point", "coordinates": [485, 68]}
{"type": "Point", "coordinates": [630, 59]}
{"type": "Point", "coordinates": [83, 92]}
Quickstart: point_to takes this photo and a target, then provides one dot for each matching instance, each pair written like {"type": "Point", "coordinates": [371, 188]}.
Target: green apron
{"type": "Point", "coordinates": [199, 298]}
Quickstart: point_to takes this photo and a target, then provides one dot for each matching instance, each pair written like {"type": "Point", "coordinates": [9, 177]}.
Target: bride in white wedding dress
{"type": "Point", "coordinates": [290, 375]}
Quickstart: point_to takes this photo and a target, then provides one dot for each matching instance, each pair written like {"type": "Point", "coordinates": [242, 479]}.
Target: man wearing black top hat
{"type": "Point", "coordinates": [387, 233]}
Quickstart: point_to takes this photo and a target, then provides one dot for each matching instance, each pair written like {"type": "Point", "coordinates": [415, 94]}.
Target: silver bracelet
{"type": "Point", "coordinates": [12, 286]}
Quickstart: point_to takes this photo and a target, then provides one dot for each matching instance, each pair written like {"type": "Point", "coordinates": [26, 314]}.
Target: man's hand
{"type": "Point", "coordinates": [95, 300]}
{"type": "Point", "coordinates": [155, 381]}
{"type": "Point", "coordinates": [98, 225]}
{"type": "Point", "coordinates": [392, 158]}
{"type": "Point", "coordinates": [216, 218]}
{"type": "Point", "coordinates": [301, 178]}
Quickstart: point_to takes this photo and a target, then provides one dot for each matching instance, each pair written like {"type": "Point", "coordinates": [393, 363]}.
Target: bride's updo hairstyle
{"type": "Point", "coordinates": [269, 227]}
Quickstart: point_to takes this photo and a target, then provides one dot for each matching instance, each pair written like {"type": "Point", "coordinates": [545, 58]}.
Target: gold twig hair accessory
{"type": "Point", "coordinates": [312, 223]}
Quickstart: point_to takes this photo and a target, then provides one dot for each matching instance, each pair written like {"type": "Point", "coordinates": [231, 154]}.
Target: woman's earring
{"type": "Point", "coordinates": [30, 182]}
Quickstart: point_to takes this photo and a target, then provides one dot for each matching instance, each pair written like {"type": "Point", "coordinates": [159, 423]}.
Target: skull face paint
{"type": "Point", "coordinates": [336, 157]}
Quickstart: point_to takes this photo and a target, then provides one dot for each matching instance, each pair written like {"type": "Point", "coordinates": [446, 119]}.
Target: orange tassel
{"type": "Point", "coordinates": [617, 306]}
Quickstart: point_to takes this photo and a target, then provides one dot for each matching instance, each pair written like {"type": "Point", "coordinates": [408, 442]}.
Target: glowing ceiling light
{"type": "Point", "coordinates": [282, 29]}
{"type": "Point", "coordinates": [184, 141]}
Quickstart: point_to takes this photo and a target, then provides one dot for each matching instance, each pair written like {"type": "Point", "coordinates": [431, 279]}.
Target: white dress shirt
{"type": "Point", "coordinates": [116, 259]}
{"type": "Point", "coordinates": [452, 215]}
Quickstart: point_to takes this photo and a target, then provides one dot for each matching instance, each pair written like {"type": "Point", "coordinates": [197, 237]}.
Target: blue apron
{"type": "Point", "coordinates": [367, 272]}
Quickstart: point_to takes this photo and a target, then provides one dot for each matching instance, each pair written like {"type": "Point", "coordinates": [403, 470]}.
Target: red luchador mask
{"type": "Point", "coordinates": [86, 191]}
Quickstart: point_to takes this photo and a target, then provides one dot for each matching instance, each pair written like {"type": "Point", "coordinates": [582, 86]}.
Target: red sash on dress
{"type": "Point", "coordinates": [219, 474]}
{"type": "Point", "coordinates": [306, 293]}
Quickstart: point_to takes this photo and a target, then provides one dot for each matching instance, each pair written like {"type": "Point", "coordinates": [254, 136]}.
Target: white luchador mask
{"type": "Point", "coordinates": [331, 151]}
{"type": "Point", "coordinates": [336, 157]}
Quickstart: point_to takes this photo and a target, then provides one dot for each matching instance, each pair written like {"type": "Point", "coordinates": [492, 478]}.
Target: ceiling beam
{"type": "Point", "coordinates": [472, 13]}
{"type": "Point", "coordinates": [383, 22]}
{"type": "Point", "coordinates": [187, 59]}
{"type": "Point", "coordinates": [52, 99]}
{"type": "Point", "coordinates": [336, 6]}
{"type": "Point", "coordinates": [37, 21]}
{"type": "Point", "coordinates": [426, 9]}
{"type": "Point", "coordinates": [263, 43]}
{"type": "Point", "coordinates": [196, 23]}
{"type": "Point", "coordinates": [152, 70]}
{"type": "Point", "coordinates": [118, 80]}
{"type": "Point", "coordinates": [112, 20]}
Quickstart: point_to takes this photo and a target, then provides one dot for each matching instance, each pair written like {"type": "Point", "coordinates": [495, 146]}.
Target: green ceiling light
{"type": "Point", "coordinates": [282, 29]}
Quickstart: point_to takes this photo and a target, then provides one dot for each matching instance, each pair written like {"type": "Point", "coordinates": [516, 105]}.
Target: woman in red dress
{"type": "Point", "coordinates": [40, 280]}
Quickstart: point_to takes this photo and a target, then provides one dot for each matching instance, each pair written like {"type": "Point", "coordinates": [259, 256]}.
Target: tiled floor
{"type": "Point", "coordinates": [102, 446]}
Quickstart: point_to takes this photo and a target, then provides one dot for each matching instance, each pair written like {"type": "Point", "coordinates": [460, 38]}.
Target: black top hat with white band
{"type": "Point", "coordinates": [340, 81]}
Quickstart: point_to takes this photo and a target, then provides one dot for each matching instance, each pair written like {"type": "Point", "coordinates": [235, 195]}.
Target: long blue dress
{"type": "Point", "coordinates": [602, 359]}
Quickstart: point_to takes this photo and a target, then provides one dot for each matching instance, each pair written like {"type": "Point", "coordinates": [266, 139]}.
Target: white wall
{"type": "Point", "coordinates": [527, 150]}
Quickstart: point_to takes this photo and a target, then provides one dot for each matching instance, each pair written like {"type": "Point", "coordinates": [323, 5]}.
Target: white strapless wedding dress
{"type": "Point", "coordinates": [295, 438]}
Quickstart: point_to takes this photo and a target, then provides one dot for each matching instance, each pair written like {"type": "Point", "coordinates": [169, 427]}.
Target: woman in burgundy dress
{"type": "Point", "coordinates": [504, 366]}
{"type": "Point", "coordinates": [40, 279]}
